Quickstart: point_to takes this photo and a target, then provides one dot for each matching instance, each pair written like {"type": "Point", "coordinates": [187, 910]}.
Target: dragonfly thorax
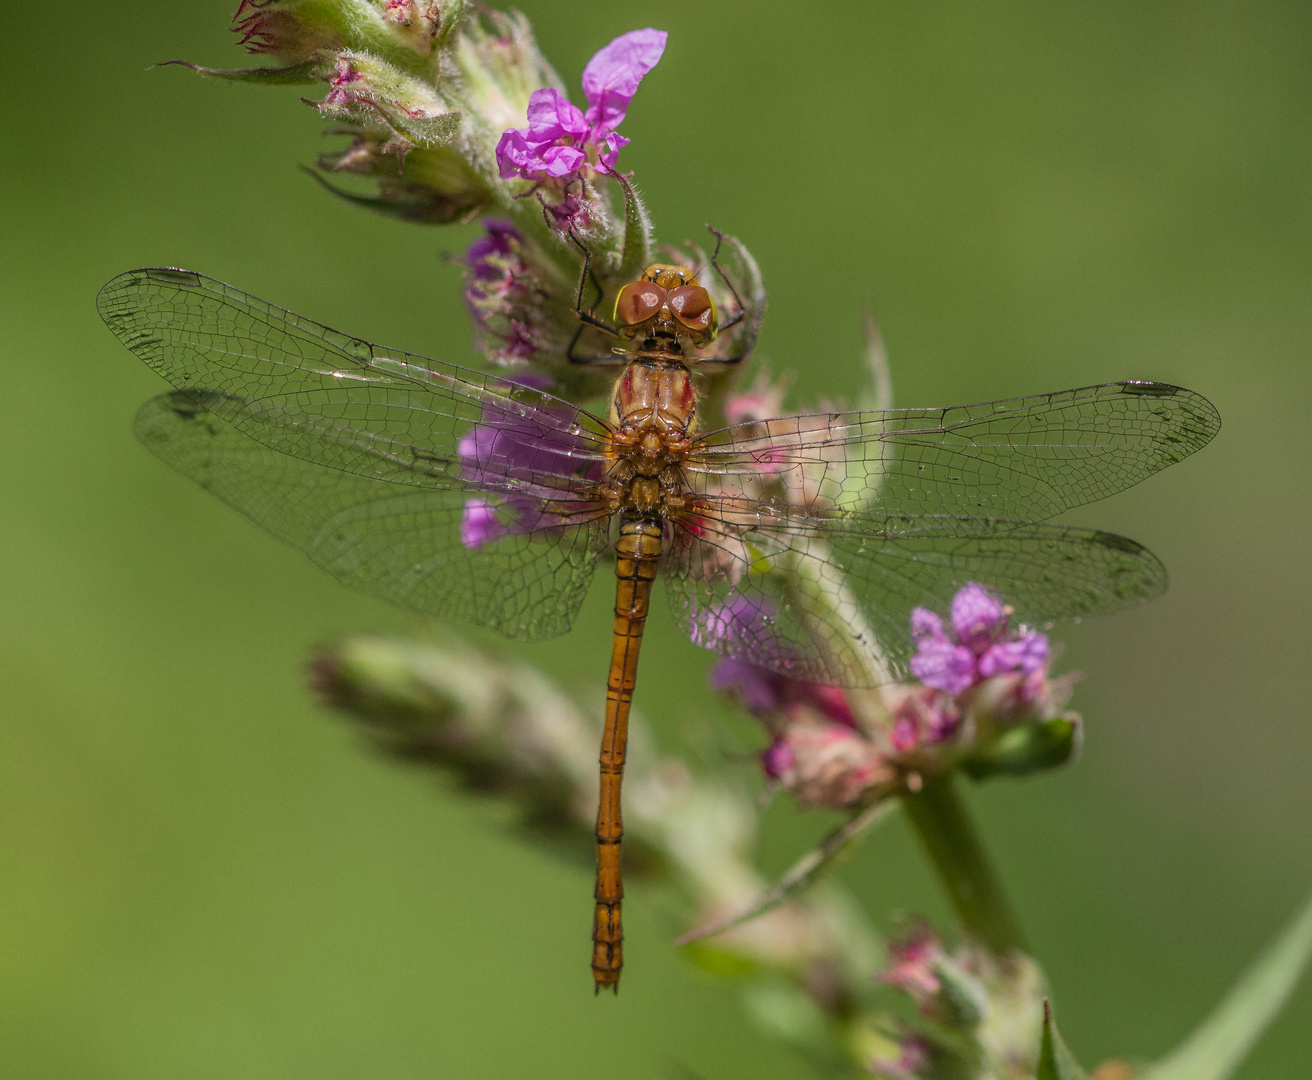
{"type": "Point", "coordinates": [654, 396]}
{"type": "Point", "coordinates": [653, 410]}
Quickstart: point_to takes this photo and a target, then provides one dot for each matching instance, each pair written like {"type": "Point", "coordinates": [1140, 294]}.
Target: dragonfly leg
{"type": "Point", "coordinates": [637, 552]}
{"type": "Point", "coordinates": [585, 273]}
{"type": "Point", "coordinates": [742, 308]}
{"type": "Point", "coordinates": [616, 357]}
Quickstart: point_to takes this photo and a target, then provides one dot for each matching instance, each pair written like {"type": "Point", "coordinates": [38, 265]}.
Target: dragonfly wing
{"type": "Point", "coordinates": [1017, 461]}
{"type": "Point", "coordinates": [526, 579]}
{"type": "Point", "coordinates": [335, 400]}
{"type": "Point", "coordinates": [834, 607]}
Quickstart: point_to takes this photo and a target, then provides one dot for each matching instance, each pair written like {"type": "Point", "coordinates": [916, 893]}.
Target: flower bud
{"type": "Point", "coordinates": [831, 764]}
{"type": "Point", "coordinates": [293, 31]}
{"type": "Point", "coordinates": [367, 91]}
{"type": "Point", "coordinates": [1028, 748]}
{"type": "Point", "coordinates": [977, 1007]}
{"type": "Point", "coordinates": [432, 185]}
{"type": "Point", "coordinates": [500, 67]}
{"type": "Point", "coordinates": [913, 1060]}
{"type": "Point", "coordinates": [418, 22]}
{"type": "Point", "coordinates": [402, 32]}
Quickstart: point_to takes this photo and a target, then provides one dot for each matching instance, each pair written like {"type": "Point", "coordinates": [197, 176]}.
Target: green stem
{"type": "Point", "coordinates": [945, 829]}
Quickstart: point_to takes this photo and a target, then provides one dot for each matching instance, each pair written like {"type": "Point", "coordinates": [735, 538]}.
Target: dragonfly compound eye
{"type": "Point", "coordinates": [693, 307]}
{"type": "Point", "coordinates": [637, 302]}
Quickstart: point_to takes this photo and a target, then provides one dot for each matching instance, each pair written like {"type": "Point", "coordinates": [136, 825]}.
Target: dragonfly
{"type": "Point", "coordinates": [799, 543]}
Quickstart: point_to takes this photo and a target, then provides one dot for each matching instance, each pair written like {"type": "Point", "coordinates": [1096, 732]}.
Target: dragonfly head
{"type": "Point", "coordinates": [666, 308]}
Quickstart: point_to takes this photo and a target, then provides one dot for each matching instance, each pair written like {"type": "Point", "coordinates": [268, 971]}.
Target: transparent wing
{"type": "Point", "coordinates": [834, 608]}
{"type": "Point", "coordinates": [311, 392]}
{"type": "Point", "coordinates": [398, 542]}
{"type": "Point", "coordinates": [1020, 460]}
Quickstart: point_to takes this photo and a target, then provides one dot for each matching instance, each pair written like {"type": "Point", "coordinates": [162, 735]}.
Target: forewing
{"type": "Point", "coordinates": [314, 393]}
{"type": "Point", "coordinates": [835, 608]}
{"type": "Point", "coordinates": [1017, 461]}
{"type": "Point", "coordinates": [397, 542]}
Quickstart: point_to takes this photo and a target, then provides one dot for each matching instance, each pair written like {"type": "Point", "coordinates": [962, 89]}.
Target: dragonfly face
{"type": "Point", "coordinates": [799, 544]}
{"type": "Point", "coordinates": [667, 310]}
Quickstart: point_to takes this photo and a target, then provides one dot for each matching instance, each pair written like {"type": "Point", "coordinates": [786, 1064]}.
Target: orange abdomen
{"type": "Point", "coordinates": [638, 552]}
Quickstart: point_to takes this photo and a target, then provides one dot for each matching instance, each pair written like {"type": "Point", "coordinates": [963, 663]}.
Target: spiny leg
{"type": "Point", "coordinates": [742, 308]}
{"type": "Point", "coordinates": [585, 272]}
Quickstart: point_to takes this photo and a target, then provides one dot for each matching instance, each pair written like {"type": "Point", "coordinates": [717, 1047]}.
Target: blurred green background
{"type": "Point", "coordinates": [202, 875]}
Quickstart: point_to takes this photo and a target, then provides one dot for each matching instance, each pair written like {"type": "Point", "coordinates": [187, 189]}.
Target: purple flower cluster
{"type": "Point", "coordinates": [560, 139]}
{"type": "Point", "coordinates": [512, 456]}
{"type": "Point", "coordinates": [914, 957]}
{"type": "Point", "coordinates": [765, 691]}
{"type": "Point", "coordinates": [342, 90]}
{"type": "Point", "coordinates": [495, 293]}
{"type": "Point", "coordinates": [977, 647]}
{"type": "Point", "coordinates": [817, 750]}
{"type": "Point", "coordinates": [970, 667]}
{"type": "Point", "coordinates": [922, 715]}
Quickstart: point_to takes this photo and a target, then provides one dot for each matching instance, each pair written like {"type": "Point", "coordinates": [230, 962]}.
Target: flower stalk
{"type": "Point", "coordinates": [944, 828]}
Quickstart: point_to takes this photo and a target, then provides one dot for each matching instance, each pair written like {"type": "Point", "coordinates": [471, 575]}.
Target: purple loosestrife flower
{"type": "Point", "coordinates": [976, 648]}
{"type": "Point", "coordinates": [913, 962]}
{"type": "Point", "coordinates": [497, 288]}
{"type": "Point", "coordinates": [817, 750]}
{"type": "Point", "coordinates": [835, 748]}
{"type": "Point", "coordinates": [921, 715]}
{"type": "Point", "coordinates": [738, 626]}
{"type": "Point", "coordinates": [826, 764]}
{"type": "Point", "coordinates": [972, 1006]}
{"type": "Point", "coordinates": [560, 140]}
{"type": "Point", "coordinates": [509, 457]}
{"type": "Point", "coordinates": [765, 691]}
{"type": "Point", "coordinates": [763, 400]}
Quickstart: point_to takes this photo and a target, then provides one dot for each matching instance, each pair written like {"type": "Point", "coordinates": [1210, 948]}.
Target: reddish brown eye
{"type": "Point", "coordinates": [692, 306]}
{"type": "Point", "coordinates": [637, 302]}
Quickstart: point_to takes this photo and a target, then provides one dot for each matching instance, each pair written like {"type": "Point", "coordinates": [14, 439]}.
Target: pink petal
{"type": "Point", "coordinates": [480, 524]}
{"type": "Point", "coordinates": [1026, 654]}
{"type": "Point", "coordinates": [830, 700]}
{"type": "Point", "coordinates": [755, 685]}
{"type": "Point", "coordinates": [613, 75]}
{"type": "Point", "coordinates": [556, 161]}
{"type": "Point", "coordinates": [944, 666]}
{"type": "Point", "coordinates": [551, 116]}
{"type": "Point", "coordinates": [977, 616]}
{"type": "Point", "coordinates": [513, 155]}
{"type": "Point", "coordinates": [926, 624]}
{"type": "Point", "coordinates": [777, 759]}
{"type": "Point", "coordinates": [905, 734]}
{"type": "Point", "coordinates": [608, 149]}
{"type": "Point", "coordinates": [516, 157]}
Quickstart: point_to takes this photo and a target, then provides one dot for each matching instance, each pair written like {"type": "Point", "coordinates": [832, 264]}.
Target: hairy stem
{"type": "Point", "coordinates": [949, 837]}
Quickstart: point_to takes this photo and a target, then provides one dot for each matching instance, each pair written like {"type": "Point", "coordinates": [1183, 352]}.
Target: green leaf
{"type": "Point", "coordinates": [802, 873]}
{"type": "Point", "coordinates": [295, 75]}
{"type": "Point", "coordinates": [1055, 1061]}
{"type": "Point", "coordinates": [1222, 1041]}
